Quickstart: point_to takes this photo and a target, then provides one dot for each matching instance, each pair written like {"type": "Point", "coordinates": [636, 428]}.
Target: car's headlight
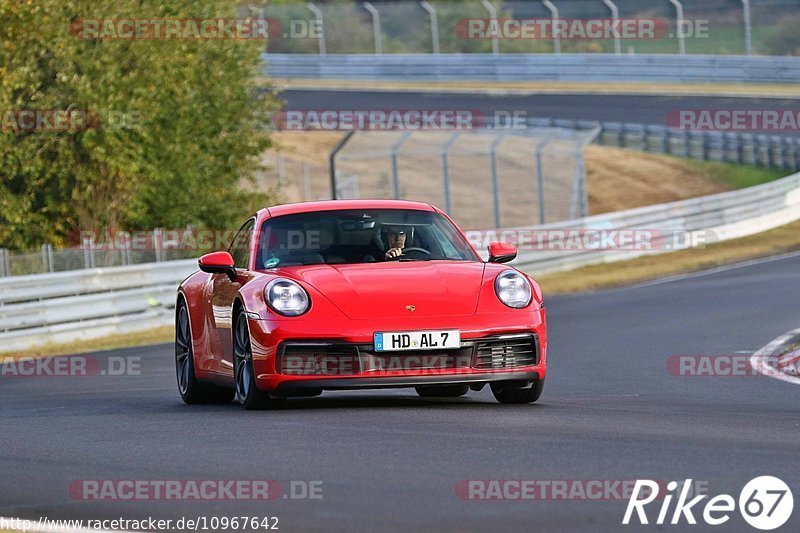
{"type": "Point", "coordinates": [286, 297]}
{"type": "Point", "coordinates": [513, 289]}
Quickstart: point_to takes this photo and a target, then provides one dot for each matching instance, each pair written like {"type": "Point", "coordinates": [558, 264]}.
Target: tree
{"type": "Point", "coordinates": [160, 132]}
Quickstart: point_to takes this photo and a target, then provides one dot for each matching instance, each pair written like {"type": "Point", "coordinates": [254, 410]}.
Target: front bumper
{"type": "Point", "coordinates": [473, 363]}
{"type": "Point", "coordinates": [313, 385]}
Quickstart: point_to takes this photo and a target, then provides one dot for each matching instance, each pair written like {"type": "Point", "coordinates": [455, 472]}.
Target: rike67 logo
{"type": "Point", "coordinates": [765, 503]}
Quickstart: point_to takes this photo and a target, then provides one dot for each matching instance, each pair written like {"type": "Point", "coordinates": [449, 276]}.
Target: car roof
{"type": "Point", "coordinates": [335, 205]}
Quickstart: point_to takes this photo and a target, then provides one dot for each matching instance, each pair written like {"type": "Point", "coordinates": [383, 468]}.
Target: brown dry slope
{"type": "Point", "coordinates": [623, 179]}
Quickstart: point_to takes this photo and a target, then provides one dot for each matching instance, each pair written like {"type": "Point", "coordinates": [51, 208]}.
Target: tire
{"type": "Point", "coordinates": [442, 391]}
{"type": "Point", "coordinates": [517, 396]}
{"type": "Point", "coordinates": [191, 391]}
{"type": "Point", "coordinates": [247, 392]}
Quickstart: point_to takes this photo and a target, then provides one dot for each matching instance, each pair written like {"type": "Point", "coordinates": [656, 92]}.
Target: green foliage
{"type": "Point", "coordinates": [181, 122]}
{"type": "Point", "coordinates": [785, 40]}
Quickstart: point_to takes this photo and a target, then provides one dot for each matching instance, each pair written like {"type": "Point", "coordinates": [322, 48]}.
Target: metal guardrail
{"type": "Point", "coordinates": [712, 218]}
{"type": "Point", "coordinates": [776, 151]}
{"type": "Point", "coordinates": [85, 304]}
{"type": "Point", "coordinates": [35, 310]}
{"type": "Point", "coordinates": [666, 68]}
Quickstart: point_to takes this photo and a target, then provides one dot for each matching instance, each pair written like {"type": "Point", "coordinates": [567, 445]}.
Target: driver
{"type": "Point", "coordinates": [397, 241]}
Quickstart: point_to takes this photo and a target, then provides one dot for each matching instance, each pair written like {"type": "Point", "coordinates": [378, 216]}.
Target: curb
{"type": "Point", "coordinates": [764, 361]}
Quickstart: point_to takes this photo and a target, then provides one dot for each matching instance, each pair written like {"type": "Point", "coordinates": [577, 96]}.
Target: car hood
{"type": "Point", "coordinates": [386, 290]}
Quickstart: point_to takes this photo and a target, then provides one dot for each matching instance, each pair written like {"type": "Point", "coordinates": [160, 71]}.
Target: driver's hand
{"type": "Point", "coordinates": [394, 252]}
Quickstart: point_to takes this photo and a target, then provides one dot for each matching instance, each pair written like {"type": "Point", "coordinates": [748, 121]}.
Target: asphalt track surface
{"type": "Point", "coordinates": [643, 109]}
{"type": "Point", "coordinates": [390, 461]}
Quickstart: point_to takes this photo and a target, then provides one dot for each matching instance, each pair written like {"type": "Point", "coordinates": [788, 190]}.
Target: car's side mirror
{"type": "Point", "coordinates": [502, 252]}
{"type": "Point", "coordinates": [218, 263]}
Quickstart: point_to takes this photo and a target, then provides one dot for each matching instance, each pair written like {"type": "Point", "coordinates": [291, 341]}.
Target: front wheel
{"type": "Point", "coordinates": [192, 391]}
{"type": "Point", "coordinates": [517, 396]}
{"type": "Point", "coordinates": [247, 393]}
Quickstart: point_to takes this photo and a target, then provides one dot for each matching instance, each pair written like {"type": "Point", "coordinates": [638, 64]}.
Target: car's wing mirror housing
{"type": "Point", "coordinates": [218, 263]}
{"type": "Point", "coordinates": [502, 252]}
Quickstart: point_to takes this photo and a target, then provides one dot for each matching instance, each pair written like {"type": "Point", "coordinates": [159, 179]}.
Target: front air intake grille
{"type": "Point", "coordinates": [507, 351]}
{"type": "Point", "coordinates": [322, 359]}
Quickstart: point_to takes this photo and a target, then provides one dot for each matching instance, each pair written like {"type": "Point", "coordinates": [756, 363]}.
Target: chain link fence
{"type": "Point", "coordinates": [766, 27]}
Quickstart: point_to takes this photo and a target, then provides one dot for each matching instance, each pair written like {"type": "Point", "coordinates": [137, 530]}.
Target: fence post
{"type": "Point", "coordinates": [281, 170]}
{"type": "Point", "coordinates": [615, 16]}
{"type": "Point", "coordinates": [448, 202]}
{"type": "Point", "coordinates": [157, 244]}
{"type": "Point", "coordinates": [748, 28]}
{"type": "Point", "coordinates": [395, 168]}
{"type": "Point", "coordinates": [47, 257]}
{"type": "Point", "coordinates": [5, 269]}
{"type": "Point", "coordinates": [125, 252]}
{"type": "Point", "coordinates": [540, 178]}
{"type": "Point", "coordinates": [332, 160]}
{"type": "Point", "coordinates": [580, 172]}
{"type": "Point", "coordinates": [554, 16]}
{"type": "Point", "coordinates": [434, 25]}
{"type": "Point", "coordinates": [496, 179]}
{"type": "Point", "coordinates": [88, 253]}
{"type": "Point", "coordinates": [323, 49]}
{"type": "Point", "coordinates": [679, 16]}
{"type": "Point", "coordinates": [306, 181]}
{"type": "Point", "coordinates": [493, 15]}
{"type": "Point", "coordinates": [376, 27]}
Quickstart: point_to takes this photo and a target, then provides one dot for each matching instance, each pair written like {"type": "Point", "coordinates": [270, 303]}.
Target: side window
{"type": "Point", "coordinates": [240, 247]}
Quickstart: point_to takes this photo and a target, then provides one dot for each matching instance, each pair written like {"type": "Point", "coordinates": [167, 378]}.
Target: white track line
{"type": "Point", "coordinates": [707, 272]}
{"type": "Point", "coordinates": [760, 360]}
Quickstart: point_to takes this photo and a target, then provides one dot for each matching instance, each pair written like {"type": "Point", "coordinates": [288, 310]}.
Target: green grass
{"type": "Point", "coordinates": [737, 176]}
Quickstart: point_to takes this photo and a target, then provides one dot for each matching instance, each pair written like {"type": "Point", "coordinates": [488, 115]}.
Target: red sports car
{"type": "Point", "coordinates": [358, 294]}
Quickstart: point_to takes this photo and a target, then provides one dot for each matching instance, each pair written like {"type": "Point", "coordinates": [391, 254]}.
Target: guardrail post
{"type": "Point", "coordinates": [748, 28]}
{"type": "Point", "coordinates": [376, 27]}
{"type": "Point", "coordinates": [448, 201]}
{"type": "Point", "coordinates": [615, 16]}
{"type": "Point", "coordinates": [395, 167]}
{"type": "Point", "coordinates": [553, 16]}
{"type": "Point", "coordinates": [323, 49]}
{"type": "Point", "coordinates": [5, 267]}
{"type": "Point", "coordinates": [496, 179]}
{"type": "Point", "coordinates": [434, 25]}
{"type": "Point", "coordinates": [680, 26]}
{"type": "Point", "coordinates": [493, 15]}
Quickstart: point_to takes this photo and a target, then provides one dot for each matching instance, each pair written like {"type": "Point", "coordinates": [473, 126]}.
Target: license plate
{"type": "Point", "coordinates": [417, 340]}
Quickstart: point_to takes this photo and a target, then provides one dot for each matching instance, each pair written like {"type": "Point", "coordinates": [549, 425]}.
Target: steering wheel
{"type": "Point", "coordinates": [415, 249]}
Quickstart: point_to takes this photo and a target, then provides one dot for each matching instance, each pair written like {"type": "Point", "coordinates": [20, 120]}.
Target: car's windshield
{"type": "Point", "coordinates": [360, 236]}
